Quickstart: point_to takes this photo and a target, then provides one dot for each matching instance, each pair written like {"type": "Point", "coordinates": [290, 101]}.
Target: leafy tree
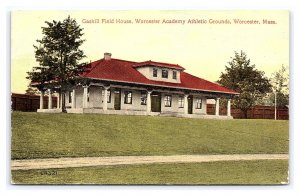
{"type": "Point", "coordinates": [280, 81]}
{"type": "Point", "coordinates": [59, 56]}
{"type": "Point", "coordinates": [281, 99]}
{"type": "Point", "coordinates": [244, 78]}
{"type": "Point", "coordinates": [40, 76]}
{"type": "Point", "coordinates": [31, 91]}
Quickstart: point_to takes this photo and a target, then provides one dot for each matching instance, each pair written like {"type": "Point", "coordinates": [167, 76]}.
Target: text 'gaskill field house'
{"type": "Point", "coordinates": [142, 88]}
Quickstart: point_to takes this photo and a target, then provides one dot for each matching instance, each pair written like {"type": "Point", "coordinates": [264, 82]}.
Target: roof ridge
{"type": "Point", "coordinates": [159, 62]}
{"type": "Point", "coordinates": [123, 60]}
{"type": "Point", "coordinates": [99, 60]}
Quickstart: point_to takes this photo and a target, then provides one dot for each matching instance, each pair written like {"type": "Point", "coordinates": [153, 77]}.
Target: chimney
{"type": "Point", "coordinates": [107, 56]}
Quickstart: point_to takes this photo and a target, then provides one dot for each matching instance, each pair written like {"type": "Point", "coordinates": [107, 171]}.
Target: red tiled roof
{"type": "Point", "coordinates": [158, 64]}
{"type": "Point", "coordinates": [124, 71]}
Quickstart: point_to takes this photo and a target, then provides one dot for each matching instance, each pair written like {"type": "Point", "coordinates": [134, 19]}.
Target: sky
{"type": "Point", "coordinates": [203, 48]}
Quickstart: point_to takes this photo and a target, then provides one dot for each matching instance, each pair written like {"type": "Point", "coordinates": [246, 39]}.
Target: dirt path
{"type": "Point", "coordinates": [128, 160]}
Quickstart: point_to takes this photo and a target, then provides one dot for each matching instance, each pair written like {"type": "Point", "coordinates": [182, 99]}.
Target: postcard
{"type": "Point", "coordinates": [150, 97]}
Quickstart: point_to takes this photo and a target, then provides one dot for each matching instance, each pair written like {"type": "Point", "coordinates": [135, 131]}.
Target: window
{"type": "Point", "coordinates": [70, 96]}
{"type": "Point", "coordinates": [164, 73]}
{"type": "Point", "coordinates": [168, 101]}
{"type": "Point", "coordinates": [154, 72]}
{"type": "Point", "coordinates": [198, 103]}
{"type": "Point", "coordinates": [108, 96]}
{"type": "Point", "coordinates": [88, 94]}
{"type": "Point", "coordinates": [175, 75]}
{"type": "Point", "coordinates": [181, 102]}
{"type": "Point", "coordinates": [128, 97]}
{"type": "Point", "coordinates": [143, 98]}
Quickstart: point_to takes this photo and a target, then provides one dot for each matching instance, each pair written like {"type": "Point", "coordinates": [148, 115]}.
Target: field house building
{"type": "Point", "coordinates": [142, 88]}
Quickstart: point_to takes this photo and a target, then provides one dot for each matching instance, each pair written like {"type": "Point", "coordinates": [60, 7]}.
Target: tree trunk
{"type": "Point", "coordinates": [245, 113]}
{"type": "Point", "coordinates": [63, 104]}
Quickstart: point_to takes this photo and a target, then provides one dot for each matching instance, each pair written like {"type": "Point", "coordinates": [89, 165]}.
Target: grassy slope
{"type": "Point", "coordinates": [242, 172]}
{"type": "Point", "coordinates": [37, 135]}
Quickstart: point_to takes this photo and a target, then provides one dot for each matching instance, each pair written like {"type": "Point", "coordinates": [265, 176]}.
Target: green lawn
{"type": "Point", "coordinates": [241, 172]}
{"type": "Point", "coordinates": [39, 135]}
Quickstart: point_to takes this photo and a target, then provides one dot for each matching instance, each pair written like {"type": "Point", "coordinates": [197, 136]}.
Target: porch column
{"type": "Point", "coordinates": [185, 106]}
{"type": "Point", "coordinates": [42, 100]}
{"type": "Point", "coordinates": [217, 106]}
{"type": "Point", "coordinates": [85, 97]}
{"type": "Point", "coordinates": [73, 99]}
{"type": "Point", "coordinates": [105, 98]}
{"type": "Point", "coordinates": [228, 107]}
{"type": "Point", "coordinates": [61, 100]}
{"type": "Point", "coordinates": [50, 99]}
{"type": "Point", "coordinates": [58, 101]}
{"type": "Point", "coordinates": [149, 101]}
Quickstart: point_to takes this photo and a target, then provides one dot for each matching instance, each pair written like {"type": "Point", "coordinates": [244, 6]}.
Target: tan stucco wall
{"type": "Point", "coordinates": [203, 109]}
{"type": "Point", "coordinates": [174, 106]}
{"type": "Point", "coordinates": [79, 95]}
{"type": "Point", "coordinates": [95, 98]}
{"type": "Point", "coordinates": [136, 101]}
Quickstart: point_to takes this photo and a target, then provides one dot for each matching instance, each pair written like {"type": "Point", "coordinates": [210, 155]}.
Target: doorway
{"type": "Point", "coordinates": [190, 104]}
{"type": "Point", "coordinates": [156, 102]}
{"type": "Point", "coordinates": [117, 101]}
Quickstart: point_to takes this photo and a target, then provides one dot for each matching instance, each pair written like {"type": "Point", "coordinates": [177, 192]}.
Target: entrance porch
{"type": "Point", "coordinates": [138, 100]}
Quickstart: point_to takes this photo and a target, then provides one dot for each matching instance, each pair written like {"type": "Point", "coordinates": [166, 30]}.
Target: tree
{"type": "Point", "coordinates": [280, 81]}
{"type": "Point", "coordinates": [244, 78]}
{"type": "Point", "coordinates": [59, 56]}
{"type": "Point", "coordinates": [31, 91]}
{"type": "Point", "coordinates": [40, 76]}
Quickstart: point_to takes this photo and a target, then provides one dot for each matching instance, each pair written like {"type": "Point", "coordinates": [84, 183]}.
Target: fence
{"type": "Point", "coordinates": [256, 112]}
{"type": "Point", "coordinates": [29, 103]}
